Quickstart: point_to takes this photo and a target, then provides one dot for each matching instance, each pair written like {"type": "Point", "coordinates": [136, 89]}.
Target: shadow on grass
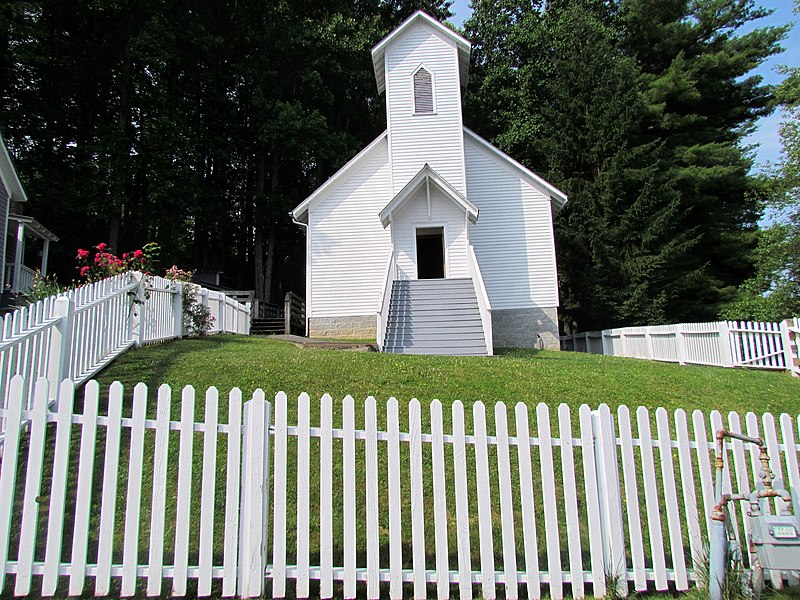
{"type": "Point", "coordinates": [150, 365]}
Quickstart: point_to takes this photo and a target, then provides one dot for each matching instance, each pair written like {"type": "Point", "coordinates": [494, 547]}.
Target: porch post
{"type": "Point", "coordinates": [45, 252]}
{"type": "Point", "coordinates": [18, 256]}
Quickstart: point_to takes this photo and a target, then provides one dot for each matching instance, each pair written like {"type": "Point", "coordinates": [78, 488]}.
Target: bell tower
{"type": "Point", "coordinates": [422, 66]}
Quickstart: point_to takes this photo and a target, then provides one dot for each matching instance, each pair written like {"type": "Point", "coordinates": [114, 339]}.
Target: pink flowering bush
{"type": "Point", "coordinates": [197, 317]}
{"type": "Point", "coordinates": [106, 264]}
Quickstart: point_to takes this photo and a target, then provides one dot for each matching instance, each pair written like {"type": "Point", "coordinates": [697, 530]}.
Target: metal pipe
{"type": "Point", "coordinates": [718, 555]}
{"type": "Point", "coordinates": [718, 558]}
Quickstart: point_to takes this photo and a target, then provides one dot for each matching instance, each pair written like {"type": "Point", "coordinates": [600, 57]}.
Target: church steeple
{"type": "Point", "coordinates": [422, 66]}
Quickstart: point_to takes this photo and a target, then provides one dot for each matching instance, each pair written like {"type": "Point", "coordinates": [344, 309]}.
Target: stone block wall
{"type": "Point", "coordinates": [360, 327]}
{"type": "Point", "coordinates": [521, 327]}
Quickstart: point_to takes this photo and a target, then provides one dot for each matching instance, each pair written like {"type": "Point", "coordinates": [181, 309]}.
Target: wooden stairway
{"type": "Point", "coordinates": [434, 316]}
{"type": "Point", "coordinates": [272, 319]}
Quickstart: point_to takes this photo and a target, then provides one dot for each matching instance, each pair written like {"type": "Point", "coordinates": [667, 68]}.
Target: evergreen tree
{"type": "Point", "coordinates": [197, 125]}
{"type": "Point", "coordinates": [696, 79]}
{"type": "Point", "coordinates": [773, 292]}
{"type": "Point", "coordinates": [636, 109]}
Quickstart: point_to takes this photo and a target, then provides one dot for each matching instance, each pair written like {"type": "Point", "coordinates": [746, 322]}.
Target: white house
{"type": "Point", "coordinates": [431, 240]}
{"type": "Point", "coordinates": [24, 242]}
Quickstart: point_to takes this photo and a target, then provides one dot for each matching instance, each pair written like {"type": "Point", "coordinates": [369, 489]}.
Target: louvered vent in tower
{"type": "Point", "coordinates": [423, 91]}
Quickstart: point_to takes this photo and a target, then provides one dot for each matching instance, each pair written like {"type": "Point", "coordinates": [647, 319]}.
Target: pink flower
{"type": "Point", "coordinates": [102, 246]}
{"type": "Point", "coordinates": [137, 253]}
{"type": "Point", "coordinates": [84, 271]}
{"type": "Point", "coordinates": [125, 256]}
{"type": "Point", "coordinates": [83, 254]}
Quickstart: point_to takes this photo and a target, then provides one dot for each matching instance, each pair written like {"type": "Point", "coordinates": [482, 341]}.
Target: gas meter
{"type": "Point", "coordinates": [774, 539]}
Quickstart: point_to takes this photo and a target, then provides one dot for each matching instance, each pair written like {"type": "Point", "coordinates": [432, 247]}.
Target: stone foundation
{"type": "Point", "coordinates": [360, 327]}
{"type": "Point", "coordinates": [521, 327]}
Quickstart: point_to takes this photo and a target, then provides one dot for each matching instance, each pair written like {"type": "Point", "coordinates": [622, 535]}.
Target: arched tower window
{"type": "Point", "coordinates": [423, 91]}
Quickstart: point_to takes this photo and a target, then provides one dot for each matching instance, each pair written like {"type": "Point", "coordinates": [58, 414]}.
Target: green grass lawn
{"type": "Point", "coordinates": [528, 376]}
{"type": "Point", "coordinates": [514, 376]}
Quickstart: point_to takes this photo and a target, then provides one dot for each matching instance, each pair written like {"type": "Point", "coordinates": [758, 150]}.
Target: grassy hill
{"type": "Point", "coordinates": [528, 376]}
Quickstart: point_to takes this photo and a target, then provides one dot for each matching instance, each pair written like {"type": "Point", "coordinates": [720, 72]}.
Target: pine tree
{"type": "Point", "coordinates": [636, 109]}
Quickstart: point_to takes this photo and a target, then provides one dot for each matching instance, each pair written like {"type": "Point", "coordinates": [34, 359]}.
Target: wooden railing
{"type": "Point", "coordinates": [483, 299]}
{"type": "Point", "coordinates": [385, 298]}
{"type": "Point", "coordinates": [266, 310]}
{"type": "Point", "coordinates": [294, 314]}
{"type": "Point", "coordinates": [23, 282]}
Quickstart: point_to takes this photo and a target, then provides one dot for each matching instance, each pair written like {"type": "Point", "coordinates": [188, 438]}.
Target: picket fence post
{"type": "Point", "coordinates": [58, 362]}
{"type": "Point", "coordinates": [608, 349]}
{"type": "Point", "coordinates": [253, 531]}
{"type": "Point", "coordinates": [608, 489]}
{"type": "Point", "coordinates": [680, 344]}
{"type": "Point", "coordinates": [648, 340]}
{"type": "Point", "coordinates": [287, 313]}
{"type": "Point", "coordinates": [791, 347]}
{"type": "Point", "coordinates": [221, 306]}
{"type": "Point", "coordinates": [177, 310]}
{"type": "Point", "coordinates": [725, 348]}
{"type": "Point", "coordinates": [136, 312]}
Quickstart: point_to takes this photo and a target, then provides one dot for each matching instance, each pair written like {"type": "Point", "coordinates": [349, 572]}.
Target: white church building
{"type": "Point", "coordinates": [431, 240]}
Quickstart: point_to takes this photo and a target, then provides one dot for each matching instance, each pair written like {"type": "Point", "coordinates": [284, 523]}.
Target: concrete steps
{"type": "Point", "coordinates": [434, 316]}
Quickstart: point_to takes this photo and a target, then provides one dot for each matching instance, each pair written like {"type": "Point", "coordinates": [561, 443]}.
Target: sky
{"type": "Point", "coordinates": [765, 139]}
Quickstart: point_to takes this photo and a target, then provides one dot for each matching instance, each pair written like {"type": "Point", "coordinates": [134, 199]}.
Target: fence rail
{"type": "Point", "coordinates": [77, 333]}
{"type": "Point", "coordinates": [471, 503]}
{"type": "Point", "coordinates": [758, 345]}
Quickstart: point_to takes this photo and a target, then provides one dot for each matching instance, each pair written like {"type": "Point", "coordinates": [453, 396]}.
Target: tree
{"type": "Point", "coordinates": [196, 125]}
{"type": "Point", "coordinates": [773, 293]}
{"type": "Point", "coordinates": [636, 109]}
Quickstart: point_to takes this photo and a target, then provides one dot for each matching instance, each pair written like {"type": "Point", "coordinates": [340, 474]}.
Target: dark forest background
{"type": "Point", "coordinates": [198, 124]}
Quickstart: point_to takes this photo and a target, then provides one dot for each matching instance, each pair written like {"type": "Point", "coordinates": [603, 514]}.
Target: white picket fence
{"type": "Point", "coordinates": [568, 503]}
{"type": "Point", "coordinates": [757, 345]}
{"type": "Point", "coordinates": [77, 333]}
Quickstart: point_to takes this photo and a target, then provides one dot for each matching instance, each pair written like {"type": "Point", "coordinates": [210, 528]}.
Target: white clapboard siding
{"type": "Point", "coordinates": [434, 138]}
{"type": "Point", "coordinates": [258, 548]}
{"type": "Point", "coordinates": [442, 212]}
{"type": "Point", "coordinates": [336, 222]}
{"type": "Point", "coordinates": [522, 273]}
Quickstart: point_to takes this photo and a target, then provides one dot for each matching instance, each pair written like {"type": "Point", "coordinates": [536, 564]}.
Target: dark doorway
{"type": "Point", "coordinates": [430, 253]}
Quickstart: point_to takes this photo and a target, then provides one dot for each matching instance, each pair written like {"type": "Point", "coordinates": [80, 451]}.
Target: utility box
{"type": "Point", "coordinates": [777, 541]}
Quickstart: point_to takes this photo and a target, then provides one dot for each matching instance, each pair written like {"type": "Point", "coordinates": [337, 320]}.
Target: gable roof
{"type": "Point", "coordinates": [8, 175]}
{"type": "Point", "coordinates": [557, 198]}
{"type": "Point", "coordinates": [420, 17]}
{"type": "Point", "coordinates": [300, 212]}
{"type": "Point", "coordinates": [427, 175]}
